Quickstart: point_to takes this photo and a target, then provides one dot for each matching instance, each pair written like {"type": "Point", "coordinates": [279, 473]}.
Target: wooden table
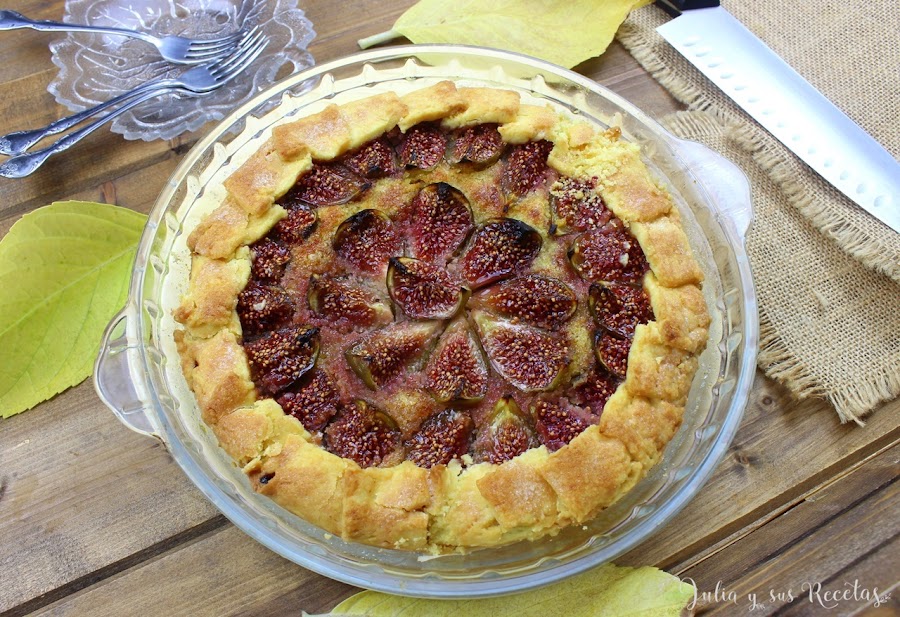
{"type": "Point", "coordinates": [97, 520]}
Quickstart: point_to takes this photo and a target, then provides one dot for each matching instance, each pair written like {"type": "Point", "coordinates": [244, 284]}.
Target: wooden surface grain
{"type": "Point", "coordinates": [97, 520]}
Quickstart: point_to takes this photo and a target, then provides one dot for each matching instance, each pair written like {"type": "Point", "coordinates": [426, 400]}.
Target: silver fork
{"type": "Point", "coordinates": [19, 141]}
{"type": "Point", "coordinates": [197, 81]}
{"type": "Point", "coordinates": [177, 49]}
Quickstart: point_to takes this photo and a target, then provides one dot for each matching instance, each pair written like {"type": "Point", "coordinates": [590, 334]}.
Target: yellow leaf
{"type": "Point", "coordinates": [607, 591]}
{"type": "Point", "coordinates": [64, 272]}
{"type": "Point", "coordinates": [565, 33]}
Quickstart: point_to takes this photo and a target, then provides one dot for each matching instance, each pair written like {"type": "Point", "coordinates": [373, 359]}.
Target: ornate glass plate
{"type": "Point", "coordinates": [95, 67]}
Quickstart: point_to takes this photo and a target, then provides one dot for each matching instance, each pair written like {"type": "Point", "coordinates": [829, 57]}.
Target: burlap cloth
{"type": "Point", "coordinates": [827, 274]}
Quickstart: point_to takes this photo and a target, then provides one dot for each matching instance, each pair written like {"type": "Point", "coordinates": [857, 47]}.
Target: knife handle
{"type": "Point", "coordinates": [676, 7]}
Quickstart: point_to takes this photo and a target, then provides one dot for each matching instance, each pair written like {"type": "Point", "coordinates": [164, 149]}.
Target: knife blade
{"type": "Point", "coordinates": [786, 105]}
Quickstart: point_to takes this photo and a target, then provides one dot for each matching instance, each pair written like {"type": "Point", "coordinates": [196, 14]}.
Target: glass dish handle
{"type": "Point", "coordinates": [113, 378]}
{"type": "Point", "coordinates": [724, 181]}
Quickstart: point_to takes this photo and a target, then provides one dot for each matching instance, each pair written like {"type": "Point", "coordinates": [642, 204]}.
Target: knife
{"type": "Point", "coordinates": [786, 105]}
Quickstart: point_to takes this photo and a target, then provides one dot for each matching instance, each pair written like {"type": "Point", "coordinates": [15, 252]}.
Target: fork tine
{"type": "Point", "coordinates": [244, 58]}
{"type": "Point", "coordinates": [246, 48]}
{"type": "Point", "coordinates": [212, 54]}
{"type": "Point", "coordinates": [225, 41]}
{"type": "Point", "coordinates": [235, 38]}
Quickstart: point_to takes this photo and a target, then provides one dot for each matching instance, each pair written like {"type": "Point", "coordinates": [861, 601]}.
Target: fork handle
{"type": "Point", "coordinates": [11, 20]}
{"type": "Point", "coordinates": [19, 141]}
{"type": "Point", "coordinates": [25, 164]}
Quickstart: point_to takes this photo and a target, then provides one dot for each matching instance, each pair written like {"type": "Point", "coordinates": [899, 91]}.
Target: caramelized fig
{"type": "Point", "coordinates": [326, 184]}
{"type": "Point", "coordinates": [534, 299]}
{"type": "Point", "coordinates": [576, 206]}
{"type": "Point", "coordinates": [619, 308]}
{"type": "Point", "coordinates": [366, 240]}
{"type": "Point", "coordinates": [439, 223]}
{"type": "Point", "coordinates": [457, 370]}
{"type": "Point", "coordinates": [263, 307]}
{"type": "Point", "coordinates": [375, 159]}
{"type": "Point", "coordinates": [612, 352]}
{"type": "Point", "coordinates": [364, 434]}
{"type": "Point", "coordinates": [423, 146]}
{"type": "Point", "coordinates": [526, 167]}
{"type": "Point", "coordinates": [481, 144]}
{"type": "Point", "coordinates": [279, 358]}
{"type": "Point", "coordinates": [593, 390]}
{"type": "Point", "coordinates": [269, 260]}
{"type": "Point", "coordinates": [441, 438]}
{"type": "Point", "coordinates": [313, 400]}
{"type": "Point", "coordinates": [558, 422]}
{"type": "Point", "coordinates": [498, 249]}
{"type": "Point", "coordinates": [506, 434]}
{"type": "Point", "coordinates": [340, 299]}
{"type": "Point", "coordinates": [528, 358]}
{"type": "Point", "coordinates": [296, 226]}
{"type": "Point", "coordinates": [381, 356]}
{"type": "Point", "coordinates": [423, 290]}
{"type": "Point", "coordinates": [610, 253]}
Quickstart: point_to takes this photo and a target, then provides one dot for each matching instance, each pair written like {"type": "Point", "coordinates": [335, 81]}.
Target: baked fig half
{"type": "Point", "coordinates": [498, 249]}
{"type": "Point", "coordinates": [263, 307]}
{"type": "Point", "coordinates": [440, 220]}
{"type": "Point", "coordinates": [481, 144]}
{"type": "Point", "coordinates": [506, 434]}
{"type": "Point", "coordinates": [441, 438]}
{"type": "Point", "coordinates": [423, 146]}
{"type": "Point", "coordinates": [326, 184]}
{"type": "Point", "coordinates": [610, 254]}
{"type": "Point", "coordinates": [279, 358]}
{"type": "Point", "coordinates": [592, 391]}
{"type": "Point", "coordinates": [296, 226]}
{"type": "Point", "coordinates": [526, 167]}
{"type": "Point", "coordinates": [373, 160]}
{"type": "Point", "coordinates": [269, 259]}
{"type": "Point", "coordinates": [457, 370]}
{"type": "Point", "coordinates": [575, 206]}
{"type": "Point", "coordinates": [423, 290]}
{"type": "Point", "coordinates": [313, 400]}
{"type": "Point", "coordinates": [612, 352]}
{"type": "Point", "coordinates": [619, 308]}
{"type": "Point", "coordinates": [342, 299]}
{"type": "Point", "coordinates": [528, 358]}
{"type": "Point", "coordinates": [383, 355]}
{"type": "Point", "coordinates": [364, 434]}
{"type": "Point", "coordinates": [366, 240]}
{"type": "Point", "coordinates": [558, 422]}
{"type": "Point", "coordinates": [534, 299]}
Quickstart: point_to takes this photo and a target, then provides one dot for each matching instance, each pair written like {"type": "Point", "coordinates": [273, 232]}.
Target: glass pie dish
{"type": "Point", "coordinates": [138, 373]}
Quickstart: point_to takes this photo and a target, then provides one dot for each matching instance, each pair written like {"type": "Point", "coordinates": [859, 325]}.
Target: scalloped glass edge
{"type": "Point", "coordinates": [715, 406]}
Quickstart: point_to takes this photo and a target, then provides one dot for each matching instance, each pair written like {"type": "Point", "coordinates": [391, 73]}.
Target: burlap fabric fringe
{"type": "Point", "coordinates": [830, 326]}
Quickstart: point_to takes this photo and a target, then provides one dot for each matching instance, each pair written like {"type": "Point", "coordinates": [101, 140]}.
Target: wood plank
{"type": "Point", "coordinates": [754, 478]}
{"type": "Point", "coordinates": [230, 574]}
{"type": "Point", "coordinates": [79, 492]}
{"type": "Point", "coordinates": [829, 551]}
{"type": "Point", "coordinates": [876, 572]}
{"type": "Point", "coordinates": [130, 190]}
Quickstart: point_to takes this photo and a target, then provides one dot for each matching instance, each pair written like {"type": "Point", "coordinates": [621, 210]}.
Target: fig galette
{"type": "Point", "coordinates": [442, 320]}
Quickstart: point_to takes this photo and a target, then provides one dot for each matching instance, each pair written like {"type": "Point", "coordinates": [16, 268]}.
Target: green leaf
{"type": "Point", "coordinates": [607, 591]}
{"type": "Point", "coordinates": [565, 33]}
{"type": "Point", "coordinates": [64, 272]}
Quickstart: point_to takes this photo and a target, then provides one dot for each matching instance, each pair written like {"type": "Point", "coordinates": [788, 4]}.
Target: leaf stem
{"type": "Point", "coordinates": [377, 39]}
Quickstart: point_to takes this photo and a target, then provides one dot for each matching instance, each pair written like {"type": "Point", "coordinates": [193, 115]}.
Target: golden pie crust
{"type": "Point", "coordinates": [460, 505]}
